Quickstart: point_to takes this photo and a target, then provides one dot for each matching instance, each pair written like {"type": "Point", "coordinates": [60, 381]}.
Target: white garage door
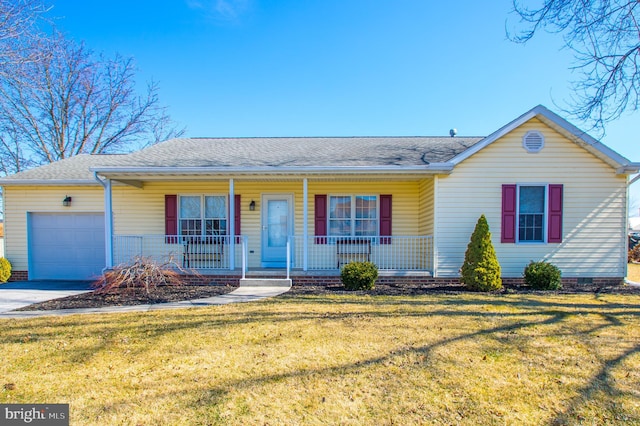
{"type": "Point", "coordinates": [65, 246]}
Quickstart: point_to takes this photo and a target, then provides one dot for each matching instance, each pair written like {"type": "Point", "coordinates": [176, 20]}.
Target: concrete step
{"type": "Point", "coordinates": [265, 282]}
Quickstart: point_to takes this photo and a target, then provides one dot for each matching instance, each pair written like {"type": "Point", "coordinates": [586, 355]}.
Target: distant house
{"type": "Point", "coordinates": [408, 204]}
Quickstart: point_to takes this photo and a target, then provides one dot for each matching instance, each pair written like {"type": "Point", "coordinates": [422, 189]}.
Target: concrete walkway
{"type": "Point", "coordinates": [17, 295]}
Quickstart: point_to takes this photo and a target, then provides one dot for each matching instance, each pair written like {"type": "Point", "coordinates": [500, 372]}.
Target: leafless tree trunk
{"type": "Point", "coordinates": [605, 38]}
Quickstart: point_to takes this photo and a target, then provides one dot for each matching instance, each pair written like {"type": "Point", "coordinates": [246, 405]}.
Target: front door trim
{"type": "Point", "coordinates": [275, 256]}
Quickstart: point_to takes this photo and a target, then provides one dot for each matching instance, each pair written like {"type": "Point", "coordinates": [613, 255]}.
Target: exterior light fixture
{"type": "Point", "coordinates": [67, 201]}
{"type": "Point", "coordinates": [252, 205]}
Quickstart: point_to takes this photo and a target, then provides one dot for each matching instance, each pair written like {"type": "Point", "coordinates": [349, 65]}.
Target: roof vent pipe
{"type": "Point", "coordinates": [453, 132]}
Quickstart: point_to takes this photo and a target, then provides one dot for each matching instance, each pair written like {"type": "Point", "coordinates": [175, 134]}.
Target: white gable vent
{"type": "Point", "coordinates": [533, 141]}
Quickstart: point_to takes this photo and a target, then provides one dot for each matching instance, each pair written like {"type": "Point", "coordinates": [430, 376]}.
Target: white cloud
{"type": "Point", "coordinates": [224, 10]}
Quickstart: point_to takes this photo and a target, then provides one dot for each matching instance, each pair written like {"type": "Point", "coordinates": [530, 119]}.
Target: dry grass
{"type": "Point", "coordinates": [633, 272]}
{"type": "Point", "coordinates": [437, 359]}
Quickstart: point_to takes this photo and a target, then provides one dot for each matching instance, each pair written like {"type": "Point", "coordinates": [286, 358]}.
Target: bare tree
{"type": "Point", "coordinates": [605, 38]}
{"type": "Point", "coordinates": [71, 101]}
{"type": "Point", "coordinates": [18, 31]}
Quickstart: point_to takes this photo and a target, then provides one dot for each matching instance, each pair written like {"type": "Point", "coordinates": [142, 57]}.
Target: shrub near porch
{"type": "Point", "coordinates": [451, 359]}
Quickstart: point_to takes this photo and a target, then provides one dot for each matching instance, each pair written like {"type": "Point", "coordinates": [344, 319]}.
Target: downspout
{"type": "Point", "coordinates": [305, 224]}
{"type": "Point", "coordinates": [626, 234]}
{"type": "Point", "coordinates": [232, 225]}
{"type": "Point", "coordinates": [108, 221]}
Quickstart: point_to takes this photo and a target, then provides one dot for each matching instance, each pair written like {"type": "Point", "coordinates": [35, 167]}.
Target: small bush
{"type": "Point", "coordinates": [359, 275]}
{"type": "Point", "coordinates": [143, 274]}
{"type": "Point", "coordinates": [634, 254]}
{"type": "Point", "coordinates": [543, 276]}
{"type": "Point", "coordinates": [5, 270]}
{"type": "Point", "coordinates": [481, 269]}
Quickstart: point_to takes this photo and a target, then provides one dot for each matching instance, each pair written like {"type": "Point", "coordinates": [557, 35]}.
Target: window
{"type": "Point", "coordinates": [532, 213]}
{"type": "Point", "coordinates": [531, 206]}
{"type": "Point", "coordinates": [203, 215]}
{"type": "Point", "coordinates": [353, 215]}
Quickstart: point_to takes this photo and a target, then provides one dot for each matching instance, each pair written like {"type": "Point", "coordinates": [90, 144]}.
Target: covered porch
{"type": "Point", "coordinates": [266, 222]}
{"type": "Point", "coordinates": [226, 253]}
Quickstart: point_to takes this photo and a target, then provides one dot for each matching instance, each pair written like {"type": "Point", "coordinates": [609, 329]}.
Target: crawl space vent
{"type": "Point", "coordinates": [533, 141]}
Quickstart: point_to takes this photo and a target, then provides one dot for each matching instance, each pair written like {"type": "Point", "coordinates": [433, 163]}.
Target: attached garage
{"type": "Point", "coordinates": [65, 246]}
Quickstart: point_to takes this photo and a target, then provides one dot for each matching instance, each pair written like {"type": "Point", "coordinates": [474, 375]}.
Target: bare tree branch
{"type": "Point", "coordinates": [605, 38]}
{"type": "Point", "coordinates": [72, 101]}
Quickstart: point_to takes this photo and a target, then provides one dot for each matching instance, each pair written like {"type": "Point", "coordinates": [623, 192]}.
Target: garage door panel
{"type": "Point", "coordinates": [66, 245]}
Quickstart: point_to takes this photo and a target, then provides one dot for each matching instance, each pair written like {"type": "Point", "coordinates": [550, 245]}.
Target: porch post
{"type": "Point", "coordinates": [435, 226]}
{"type": "Point", "coordinates": [108, 224]}
{"type": "Point", "coordinates": [305, 225]}
{"type": "Point", "coordinates": [232, 226]}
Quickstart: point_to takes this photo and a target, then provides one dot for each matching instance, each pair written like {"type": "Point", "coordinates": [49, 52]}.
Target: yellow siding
{"type": "Point", "coordinates": [593, 216]}
{"type": "Point", "coordinates": [426, 206]}
{"type": "Point", "coordinates": [18, 201]}
{"type": "Point", "coordinates": [141, 211]}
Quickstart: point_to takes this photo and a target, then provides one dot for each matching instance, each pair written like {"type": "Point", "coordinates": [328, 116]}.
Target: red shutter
{"type": "Point", "coordinates": [320, 218]}
{"type": "Point", "coordinates": [236, 216]}
{"type": "Point", "coordinates": [171, 218]}
{"type": "Point", "coordinates": [385, 218]}
{"type": "Point", "coordinates": [508, 231]}
{"type": "Point", "coordinates": [555, 214]}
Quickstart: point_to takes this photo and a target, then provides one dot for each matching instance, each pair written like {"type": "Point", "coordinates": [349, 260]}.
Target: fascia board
{"type": "Point", "coordinates": [46, 182]}
{"type": "Point", "coordinates": [159, 170]}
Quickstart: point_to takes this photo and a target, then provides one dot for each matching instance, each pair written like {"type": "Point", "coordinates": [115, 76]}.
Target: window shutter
{"type": "Point", "coordinates": [385, 218]}
{"type": "Point", "coordinates": [320, 218]}
{"type": "Point", "coordinates": [171, 218]}
{"type": "Point", "coordinates": [555, 214]}
{"type": "Point", "coordinates": [236, 217]}
{"type": "Point", "coordinates": [508, 231]}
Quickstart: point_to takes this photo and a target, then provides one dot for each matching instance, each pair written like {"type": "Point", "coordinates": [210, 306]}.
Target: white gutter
{"type": "Point", "coordinates": [108, 221]}
{"type": "Point", "coordinates": [161, 170]}
{"type": "Point", "coordinates": [46, 182]}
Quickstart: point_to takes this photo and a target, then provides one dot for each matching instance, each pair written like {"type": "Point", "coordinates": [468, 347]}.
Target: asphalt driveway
{"type": "Point", "coordinates": [17, 294]}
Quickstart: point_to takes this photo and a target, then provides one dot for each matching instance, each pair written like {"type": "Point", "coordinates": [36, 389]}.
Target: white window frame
{"type": "Point", "coordinates": [352, 217]}
{"type": "Point", "coordinates": [203, 219]}
{"type": "Point", "coordinates": [545, 213]}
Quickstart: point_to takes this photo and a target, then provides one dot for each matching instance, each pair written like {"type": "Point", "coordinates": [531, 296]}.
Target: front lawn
{"type": "Point", "coordinates": [633, 272]}
{"type": "Point", "coordinates": [333, 359]}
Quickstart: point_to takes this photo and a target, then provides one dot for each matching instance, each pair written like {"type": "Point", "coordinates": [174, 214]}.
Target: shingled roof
{"type": "Point", "coordinates": [250, 153]}
{"type": "Point", "coordinates": [302, 152]}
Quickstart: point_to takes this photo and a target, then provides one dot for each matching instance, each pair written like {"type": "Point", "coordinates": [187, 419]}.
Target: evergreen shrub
{"type": "Point", "coordinates": [5, 270]}
{"type": "Point", "coordinates": [481, 270]}
{"type": "Point", "coordinates": [359, 275]}
{"type": "Point", "coordinates": [543, 276]}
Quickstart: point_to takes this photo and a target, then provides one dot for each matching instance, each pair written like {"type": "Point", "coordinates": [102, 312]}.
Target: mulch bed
{"type": "Point", "coordinates": [163, 294]}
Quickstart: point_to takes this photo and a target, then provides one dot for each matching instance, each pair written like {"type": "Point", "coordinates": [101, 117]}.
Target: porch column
{"type": "Point", "coordinates": [305, 225]}
{"type": "Point", "coordinates": [108, 224]}
{"type": "Point", "coordinates": [232, 226]}
{"type": "Point", "coordinates": [436, 218]}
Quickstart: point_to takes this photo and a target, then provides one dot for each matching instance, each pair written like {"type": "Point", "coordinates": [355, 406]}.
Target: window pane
{"type": "Point", "coordinates": [339, 207]}
{"type": "Point", "coordinates": [215, 207]}
{"type": "Point", "coordinates": [366, 227]}
{"type": "Point", "coordinates": [366, 207]}
{"type": "Point", "coordinates": [216, 227]}
{"type": "Point", "coordinates": [339, 227]}
{"type": "Point", "coordinates": [190, 207]}
{"type": "Point", "coordinates": [190, 227]}
{"type": "Point", "coordinates": [531, 199]}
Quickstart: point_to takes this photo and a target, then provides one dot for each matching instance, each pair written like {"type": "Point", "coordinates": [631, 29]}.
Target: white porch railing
{"type": "Point", "coordinates": [403, 253]}
{"type": "Point", "coordinates": [407, 253]}
{"type": "Point", "coordinates": [211, 252]}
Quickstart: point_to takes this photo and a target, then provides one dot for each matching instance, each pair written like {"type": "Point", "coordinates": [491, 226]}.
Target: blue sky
{"type": "Point", "coordinates": [336, 67]}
